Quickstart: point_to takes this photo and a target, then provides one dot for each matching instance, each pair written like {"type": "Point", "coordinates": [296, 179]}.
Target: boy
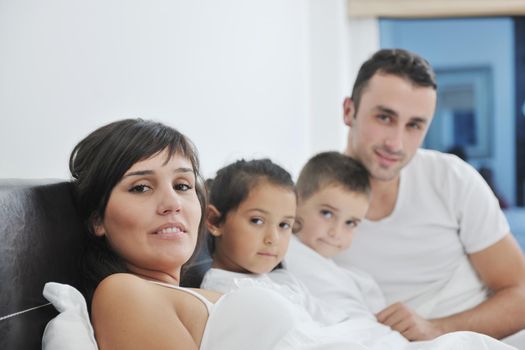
{"type": "Point", "coordinates": [333, 197]}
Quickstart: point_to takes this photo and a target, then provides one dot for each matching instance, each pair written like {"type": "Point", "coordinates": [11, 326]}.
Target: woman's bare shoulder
{"type": "Point", "coordinates": [119, 293]}
{"type": "Point", "coordinates": [118, 281]}
{"type": "Point", "coordinates": [127, 312]}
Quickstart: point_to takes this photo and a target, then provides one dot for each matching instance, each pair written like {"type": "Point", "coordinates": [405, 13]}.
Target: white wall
{"type": "Point", "coordinates": [240, 78]}
{"type": "Point", "coordinates": [338, 47]}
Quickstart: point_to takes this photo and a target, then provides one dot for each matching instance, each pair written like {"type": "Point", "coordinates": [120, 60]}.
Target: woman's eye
{"type": "Point", "coordinates": [140, 188]}
{"type": "Point", "coordinates": [182, 187]}
{"type": "Point", "coordinates": [256, 221]}
{"type": "Point", "coordinates": [327, 214]}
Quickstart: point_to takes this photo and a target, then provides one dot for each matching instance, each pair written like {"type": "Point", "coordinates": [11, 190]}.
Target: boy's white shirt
{"type": "Point", "coordinates": [351, 290]}
{"type": "Point", "coordinates": [279, 280]}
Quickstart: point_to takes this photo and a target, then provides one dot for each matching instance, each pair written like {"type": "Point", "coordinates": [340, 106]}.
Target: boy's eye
{"type": "Point", "coordinates": [327, 213]}
{"type": "Point", "coordinates": [182, 187]}
{"type": "Point", "coordinates": [351, 223]}
{"type": "Point", "coordinates": [256, 221]}
{"type": "Point", "coordinates": [140, 188]}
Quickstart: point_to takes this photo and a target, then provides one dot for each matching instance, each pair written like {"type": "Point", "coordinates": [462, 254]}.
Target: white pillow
{"type": "Point", "coordinates": [71, 329]}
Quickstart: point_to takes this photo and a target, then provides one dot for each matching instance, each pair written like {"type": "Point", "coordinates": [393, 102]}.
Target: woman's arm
{"type": "Point", "coordinates": [128, 314]}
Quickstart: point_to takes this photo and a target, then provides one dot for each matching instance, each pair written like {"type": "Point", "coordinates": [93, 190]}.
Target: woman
{"type": "Point", "coordinates": [139, 191]}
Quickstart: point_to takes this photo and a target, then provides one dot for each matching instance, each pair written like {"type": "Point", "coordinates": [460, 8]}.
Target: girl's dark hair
{"type": "Point", "coordinates": [97, 164]}
{"type": "Point", "coordinates": [233, 183]}
{"type": "Point", "coordinates": [399, 62]}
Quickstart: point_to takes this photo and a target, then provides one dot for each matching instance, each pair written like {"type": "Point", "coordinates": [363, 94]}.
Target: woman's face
{"type": "Point", "coordinates": [152, 216]}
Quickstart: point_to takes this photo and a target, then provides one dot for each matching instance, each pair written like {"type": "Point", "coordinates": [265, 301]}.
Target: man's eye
{"type": "Point", "coordinates": [415, 126]}
{"type": "Point", "coordinates": [256, 221]}
{"type": "Point", "coordinates": [182, 187]}
{"type": "Point", "coordinates": [327, 214]}
{"type": "Point", "coordinates": [140, 188]}
{"type": "Point", "coordinates": [384, 117]}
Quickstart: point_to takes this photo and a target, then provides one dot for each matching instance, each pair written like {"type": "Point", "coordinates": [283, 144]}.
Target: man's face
{"type": "Point", "coordinates": [391, 121]}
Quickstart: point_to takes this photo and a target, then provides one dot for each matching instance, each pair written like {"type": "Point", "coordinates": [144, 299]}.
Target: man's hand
{"type": "Point", "coordinates": [407, 322]}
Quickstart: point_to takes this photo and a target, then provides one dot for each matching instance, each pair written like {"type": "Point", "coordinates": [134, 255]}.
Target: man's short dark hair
{"type": "Point", "coordinates": [399, 62]}
{"type": "Point", "coordinates": [332, 168]}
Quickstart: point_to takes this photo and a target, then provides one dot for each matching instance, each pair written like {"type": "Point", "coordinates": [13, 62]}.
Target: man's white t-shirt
{"type": "Point", "coordinates": [418, 254]}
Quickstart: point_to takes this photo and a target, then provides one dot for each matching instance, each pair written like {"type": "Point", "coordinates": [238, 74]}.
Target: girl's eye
{"type": "Point", "coordinates": [285, 225]}
{"type": "Point", "coordinates": [182, 187]}
{"type": "Point", "coordinates": [140, 188]}
{"type": "Point", "coordinates": [327, 214]}
{"type": "Point", "coordinates": [256, 221]}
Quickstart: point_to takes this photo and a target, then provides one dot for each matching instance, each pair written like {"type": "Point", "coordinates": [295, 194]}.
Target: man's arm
{"type": "Point", "coordinates": [502, 269]}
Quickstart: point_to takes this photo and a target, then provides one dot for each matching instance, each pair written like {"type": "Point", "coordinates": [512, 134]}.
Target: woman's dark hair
{"type": "Point", "coordinates": [399, 62]}
{"type": "Point", "coordinates": [97, 164]}
{"type": "Point", "coordinates": [233, 183]}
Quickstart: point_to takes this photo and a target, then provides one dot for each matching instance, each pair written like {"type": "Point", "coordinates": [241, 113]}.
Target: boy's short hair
{"type": "Point", "coordinates": [332, 168]}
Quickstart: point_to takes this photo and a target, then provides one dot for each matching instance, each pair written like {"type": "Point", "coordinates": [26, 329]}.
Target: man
{"type": "Point", "coordinates": [434, 237]}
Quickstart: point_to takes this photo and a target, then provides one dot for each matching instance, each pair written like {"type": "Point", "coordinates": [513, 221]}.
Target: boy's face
{"type": "Point", "coordinates": [329, 218]}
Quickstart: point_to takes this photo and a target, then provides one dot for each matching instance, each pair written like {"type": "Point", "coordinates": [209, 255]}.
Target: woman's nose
{"type": "Point", "coordinates": [169, 202]}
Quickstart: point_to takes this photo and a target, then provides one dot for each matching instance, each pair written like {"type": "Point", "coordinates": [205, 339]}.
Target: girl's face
{"type": "Point", "coordinates": [254, 237]}
{"type": "Point", "coordinates": [152, 217]}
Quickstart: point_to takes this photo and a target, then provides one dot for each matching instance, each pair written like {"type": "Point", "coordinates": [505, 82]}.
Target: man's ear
{"type": "Point", "coordinates": [98, 227]}
{"type": "Point", "coordinates": [213, 217]}
{"type": "Point", "coordinates": [348, 111]}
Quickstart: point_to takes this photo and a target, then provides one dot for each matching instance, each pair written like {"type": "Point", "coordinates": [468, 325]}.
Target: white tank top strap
{"type": "Point", "coordinates": [206, 302]}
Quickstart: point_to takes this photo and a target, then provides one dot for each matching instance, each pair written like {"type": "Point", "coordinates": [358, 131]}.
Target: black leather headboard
{"type": "Point", "coordinates": [40, 241]}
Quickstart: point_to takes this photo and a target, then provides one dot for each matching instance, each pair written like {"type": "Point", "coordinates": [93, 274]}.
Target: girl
{"type": "Point", "coordinates": [251, 216]}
